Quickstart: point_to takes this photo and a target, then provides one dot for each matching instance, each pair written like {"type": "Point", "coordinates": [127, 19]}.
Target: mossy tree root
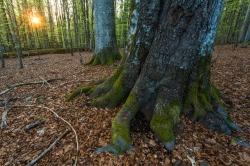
{"type": "Point", "coordinates": [207, 106]}
{"type": "Point", "coordinates": [107, 56]}
{"type": "Point", "coordinates": [163, 122]}
{"type": "Point", "coordinates": [200, 100]}
{"type": "Point", "coordinates": [114, 97]}
{"type": "Point", "coordinates": [107, 85]}
{"type": "Point", "coordinates": [79, 91]}
{"type": "Point", "coordinates": [95, 90]}
{"type": "Point", "coordinates": [121, 139]}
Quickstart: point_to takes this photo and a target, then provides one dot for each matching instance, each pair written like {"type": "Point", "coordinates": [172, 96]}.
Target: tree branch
{"type": "Point", "coordinates": [34, 161]}
{"type": "Point", "coordinates": [4, 115]}
{"type": "Point", "coordinates": [11, 87]}
{"type": "Point", "coordinates": [65, 121]}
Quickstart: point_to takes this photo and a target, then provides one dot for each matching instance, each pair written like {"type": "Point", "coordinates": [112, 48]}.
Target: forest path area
{"type": "Point", "coordinates": [230, 73]}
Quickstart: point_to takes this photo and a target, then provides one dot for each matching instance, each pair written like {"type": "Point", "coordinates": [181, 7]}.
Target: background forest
{"type": "Point", "coordinates": [67, 25]}
{"type": "Point", "coordinates": [156, 82]}
{"type": "Point", "coordinates": [49, 24]}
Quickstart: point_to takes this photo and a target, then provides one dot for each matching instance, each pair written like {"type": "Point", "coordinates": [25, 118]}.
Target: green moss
{"type": "Point", "coordinates": [121, 139]}
{"type": "Point", "coordinates": [201, 94]}
{"type": "Point", "coordinates": [164, 121]}
{"type": "Point", "coordinates": [107, 56]}
{"type": "Point", "coordinates": [114, 97]}
{"type": "Point", "coordinates": [106, 85]}
{"type": "Point", "coordinates": [215, 94]}
{"type": "Point", "coordinates": [77, 92]}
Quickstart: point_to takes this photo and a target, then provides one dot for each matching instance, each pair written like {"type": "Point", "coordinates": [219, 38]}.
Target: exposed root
{"type": "Point", "coordinates": [121, 139]}
{"type": "Point", "coordinates": [199, 101]}
{"type": "Point", "coordinates": [106, 56]}
{"type": "Point", "coordinates": [164, 119]}
{"type": "Point", "coordinates": [77, 92]}
{"type": "Point", "coordinates": [106, 85]}
{"type": "Point", "coordinates": [114, 97]}
{"type": "Point", "coordinates": [208, 107]}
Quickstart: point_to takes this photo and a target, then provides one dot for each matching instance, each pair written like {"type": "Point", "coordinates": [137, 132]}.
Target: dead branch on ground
{"type": "Point", "coordinates": [5, 113]}
{"type": "Point", "coordinates": [33, 125]}
{"type": "Point", "coordinates": [62, 119]}
{"type": "Point", "coordinates": [11, 87]}
{"type": "Point", "coordinates": [39, 157]}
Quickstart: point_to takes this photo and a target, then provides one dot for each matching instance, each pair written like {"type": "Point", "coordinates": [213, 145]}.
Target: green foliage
{"type": "Point", "coordinates": [232, 21]}
{"type": "Point", "coordinates": [66, 24]}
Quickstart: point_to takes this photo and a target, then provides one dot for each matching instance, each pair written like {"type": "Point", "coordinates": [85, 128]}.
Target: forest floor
{"type": "Point", "coordinates": [231, 74]}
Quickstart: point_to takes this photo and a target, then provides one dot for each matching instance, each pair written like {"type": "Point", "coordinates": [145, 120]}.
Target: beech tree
{"type": "Point", "coordinates": [106, 51]}
{"type": "Point", "coordinates": [166, 73]}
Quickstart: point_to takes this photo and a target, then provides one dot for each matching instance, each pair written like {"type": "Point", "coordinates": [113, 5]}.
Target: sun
{"type": "Point", "coordinates": [35, 20]}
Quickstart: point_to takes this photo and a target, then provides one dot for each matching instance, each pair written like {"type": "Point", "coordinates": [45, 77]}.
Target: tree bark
{"type": "Point", "coordinates": [106, 51]}
{"type": "Point", "coordinates": [167, 72]}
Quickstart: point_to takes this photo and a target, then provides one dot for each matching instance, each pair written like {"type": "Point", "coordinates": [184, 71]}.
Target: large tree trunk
{"type": "Point", "coordinates": [106, 51]}
{"type": "Point", "coordinates": [167, 72]}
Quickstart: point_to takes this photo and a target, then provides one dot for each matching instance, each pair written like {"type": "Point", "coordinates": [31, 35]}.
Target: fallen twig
{"type": "Point", "coordinates": [39, 157]}
{"type": "Point", "coordinates": [27, 83]}
{"type": "Point", "coordinates": [45, 81]}
{"type": "Point", "coordinates": [65, 121]}
{"type": "Point", "coordinates": [94, 82]}
{"type": "Point", "coordinates": [33, 125]}
{"type": "Point", "coordinates": [4, 115]}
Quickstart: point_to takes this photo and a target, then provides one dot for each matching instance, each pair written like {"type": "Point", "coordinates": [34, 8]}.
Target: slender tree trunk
{"type": "Point", "coordinates": [247, 39]}
{"type": "Point", "coordinates": [6, 38]}
{"type": "Point", "coordinates": [245, 27]}
{"type": "Point", "coordinates": [51, 24]}
{"type": "Point", "coordinates": [27, 29]}
{"type": "Point", "coordinates": [83, 8]}
{"type": "Point", "coordinates": [76, 31]}
{"type": "Point", "coordinates": [15, 34]}
{"type": "Point", "coordinates": [92, 43]}
{"type": "Point", "coordinates": [66, 9]}
{"type": "Point", "coordinates": [2, 56]}
{"type": "Point", "coordinates": [106, 51]}
{"type": "Point", "coordinates": [167, 72]}
{"type": "Point", "coordinates": [88, 37]}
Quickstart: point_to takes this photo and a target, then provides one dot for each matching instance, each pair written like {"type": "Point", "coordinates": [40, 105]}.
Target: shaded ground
{"type": "Point", "coordinates": [231, 73]}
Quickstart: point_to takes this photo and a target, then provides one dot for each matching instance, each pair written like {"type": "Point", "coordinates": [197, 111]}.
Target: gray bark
{"type": "Point", "coordinates": [104, 25]}
{"type": "Point", "coordinates": [105, 37]}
